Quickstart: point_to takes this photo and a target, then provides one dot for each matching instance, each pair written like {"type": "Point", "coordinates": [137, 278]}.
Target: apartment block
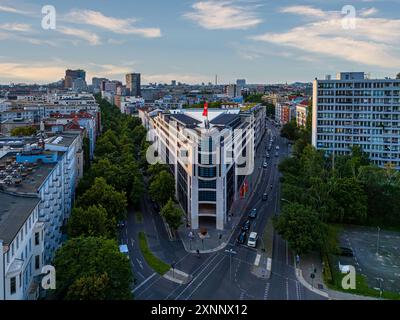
{"type": "Point", "coordinates": [353, 110]}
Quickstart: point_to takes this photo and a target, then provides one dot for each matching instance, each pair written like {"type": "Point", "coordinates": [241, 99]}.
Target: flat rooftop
{"type": "Point", "coordinates": [33, 175]}
{"type": "Point", "coordinates": [14, 211]}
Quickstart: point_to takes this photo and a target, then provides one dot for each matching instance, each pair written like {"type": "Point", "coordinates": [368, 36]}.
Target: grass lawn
{"type": "Point", "coordinates": [138, 217]}
{"type": "Point", "coordinates": [155, 263]}
{"type": "Point", "coordinates": [268, 238]}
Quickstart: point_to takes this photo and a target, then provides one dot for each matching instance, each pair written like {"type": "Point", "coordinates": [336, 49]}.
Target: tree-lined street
{"type": "Point", "coordinates": [221, 275]}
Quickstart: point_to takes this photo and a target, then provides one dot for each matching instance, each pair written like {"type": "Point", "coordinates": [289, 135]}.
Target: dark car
{"type": "Point", "coordinates": [121, 224]}
{"type": "Point", "coordinates": [346, 252]}
{"type": "Point", "coordinates": [241, 238]}
{"type": "Point", "coordinates": [265, 197]}
{"type": "Point", "coordinates": [253, 214]}
{"type": "Point", "coordinates": [246, 225]}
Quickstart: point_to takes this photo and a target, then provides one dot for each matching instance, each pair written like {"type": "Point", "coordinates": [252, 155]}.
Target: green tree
{"type": "Point", "coordinates": [301, 227]}
{"type": "Point", "coordinates": [172, 214]}
{"type": "Point", "coordinates": [350, 200]}
{"type": "Point", "coordinates": [138, 190]}
{"type": "Point", "coordinates": [86, 153]}
{"type": "Point", "coordinates": [23, 131]}
{"type": "Point", "coordinates": [83, 260]}
{"type": "Point", "coordinates": [89, 288]}
{"type": "Point", "coordinates": [100, 193]}
{"type": "Point", "coordinates": [254, 98]}
{"type": "Point", "coordinates": [290, 131]}
{"type": "Point", "coordinates": [92, 221]}
{"type": "Point", "coordinates": [162, 188]}
{"type": "Point", "coordinates": [270, 110]}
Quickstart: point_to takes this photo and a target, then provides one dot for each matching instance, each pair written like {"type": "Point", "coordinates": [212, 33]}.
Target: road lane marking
{"type": "Point", "coordinates": [257, 261]}
{"type": "Point", "coordinates": [140, 263]}
{"type": "Point", "coordinates": [266, 292]}
{"type": "Point", "coordinates": [144, 282]}
{"type": "Point", "coordinates": [205, 278]}
{"type": "Point", "coordinates": [203, 267]}
{"type": "Point", "coordinates": [287, 289]}
{"type": "Point", "coordinates": [269, 264]}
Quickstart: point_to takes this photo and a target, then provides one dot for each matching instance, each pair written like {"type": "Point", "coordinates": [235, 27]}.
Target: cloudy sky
{"type": "Point", "coordinates": [264, 41]}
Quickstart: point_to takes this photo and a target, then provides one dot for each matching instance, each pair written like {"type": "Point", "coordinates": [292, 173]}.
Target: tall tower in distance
{"type": "Point", "coordinates": [133, 84]}
{"type": "Point", "coordinates": [73, 75]}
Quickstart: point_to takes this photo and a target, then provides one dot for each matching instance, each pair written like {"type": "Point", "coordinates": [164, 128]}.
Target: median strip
{"type": "Point", "coordinates": [154, 262]}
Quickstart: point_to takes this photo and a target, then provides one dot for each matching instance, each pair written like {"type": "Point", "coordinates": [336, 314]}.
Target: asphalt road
{"type": "Point", "coordinates": [221, 276]}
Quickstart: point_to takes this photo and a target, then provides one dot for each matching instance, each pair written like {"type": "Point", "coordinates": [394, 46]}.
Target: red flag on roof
{"type": "Point", "coordinates": [205, 112]}
{"type": "Point", "coordinates": [246, 186]}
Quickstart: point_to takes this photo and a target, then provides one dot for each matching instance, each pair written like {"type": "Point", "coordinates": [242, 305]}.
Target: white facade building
{"type": "Point", "coordinates": [355, 111]}
{"type": "Point", "coordinates": [210, 161]}
{"type": "Point", "coordinates": [21, 247]}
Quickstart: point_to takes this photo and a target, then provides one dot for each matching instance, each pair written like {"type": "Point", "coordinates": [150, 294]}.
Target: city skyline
{"type": "Point", "coordinates": [193, 41]}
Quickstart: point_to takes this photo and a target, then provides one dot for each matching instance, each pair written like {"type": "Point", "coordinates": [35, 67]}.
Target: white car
{"type": "Point", "coordinates": [252, 241]}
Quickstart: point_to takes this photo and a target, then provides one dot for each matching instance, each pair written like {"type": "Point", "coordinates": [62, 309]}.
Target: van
{"type": "Point", "coordinates": [252, 242]}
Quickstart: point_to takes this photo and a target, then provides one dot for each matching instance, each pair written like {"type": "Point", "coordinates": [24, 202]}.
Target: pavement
{"type": "Point", "coordinates": [232, 272]}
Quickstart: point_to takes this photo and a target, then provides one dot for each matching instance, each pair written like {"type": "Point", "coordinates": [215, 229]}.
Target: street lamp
{"type": "Point", "coordinates": [231, 253]}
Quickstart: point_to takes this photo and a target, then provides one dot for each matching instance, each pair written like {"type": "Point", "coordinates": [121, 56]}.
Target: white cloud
{"type": "Point", "coordinates": [11, 10]}
{"type": "Point", "coordinates": [91, 37]}
{"type": "Point", "coordinates": [120, 26]}
{"type": "Point", "coordinates": [215, 15]}
{"type": "Point", "coordinates": [18, 27]}
{"type": "Point", "coordinates": [307, 11]}
{"type": "Point", "coordinates": [368, 12]}
{"type": "Point", "coordinates": [40, 73]}
{"type": "Point", "coordinates": [373, 42]}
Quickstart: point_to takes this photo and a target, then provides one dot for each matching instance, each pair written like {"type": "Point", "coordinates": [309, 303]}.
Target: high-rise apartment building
{"type": "Point", "coordinates": [71, 76]}
{"type": "Point", "coordinates": [356, 111]}
{"type": "Point", "coordinates": [133, 84]}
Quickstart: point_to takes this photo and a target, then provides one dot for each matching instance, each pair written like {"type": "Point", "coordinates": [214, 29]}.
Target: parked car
{"type": "Point", "coordinates": [265, 197]}
{"type": "Point", "coordinates": [252, 242]}
{"type": "Point", "coordinates": [265, 165]}
{"type": "Point", "coordinates": [253, 214]}
{"type": "Point", "coordinates": [277, 154]}
{"type": "Point", "coordinates": [246, 225]}
{"type": "Point", "coordinates": [277, 148]}
{"type": "Point", "coordinates": [267, 155]}
{"type": "Point", "coordinates": [346, 252]}
{"type": "Point", "coordinates": [241, 238]}
{"type": "Point", "coordinates": [121, 224]}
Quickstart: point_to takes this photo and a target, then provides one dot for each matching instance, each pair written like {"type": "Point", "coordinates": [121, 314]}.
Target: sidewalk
{"type": "Point", "coordinates": [312, 262]}
{"type": "Point", "coordinates": [217, 240]}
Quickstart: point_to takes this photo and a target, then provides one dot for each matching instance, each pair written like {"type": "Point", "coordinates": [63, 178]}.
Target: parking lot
{"type": "Point", "coordinates": [381, 266]}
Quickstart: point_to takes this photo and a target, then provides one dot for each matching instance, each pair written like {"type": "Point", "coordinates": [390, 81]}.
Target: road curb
{"type": "Point", "coordinates": [300, 278]}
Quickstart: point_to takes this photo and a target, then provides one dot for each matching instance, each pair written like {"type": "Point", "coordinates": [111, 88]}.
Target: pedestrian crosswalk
{"type": "Point", "coordinates": [266, 293]}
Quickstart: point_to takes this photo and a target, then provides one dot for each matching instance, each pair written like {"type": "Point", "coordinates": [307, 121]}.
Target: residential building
{"type": "Point", "coordinates": [302, 113]}
{"type": "Point", "coordinates": [353, 110]}
{"type": "Point", "coordinates": [46, 170]}
{"type": "Point", "coordinates": [21, 246]}
{"type": "Point", "coordinates": [133, 84]}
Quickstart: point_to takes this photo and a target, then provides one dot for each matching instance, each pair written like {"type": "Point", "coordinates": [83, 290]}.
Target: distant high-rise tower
{"type": "Point", "coordinates": [72, 75]}
{"type": "Point", "coordinates": [241, 83]}
{"type": "Point", "coordinates": [133, 84]}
